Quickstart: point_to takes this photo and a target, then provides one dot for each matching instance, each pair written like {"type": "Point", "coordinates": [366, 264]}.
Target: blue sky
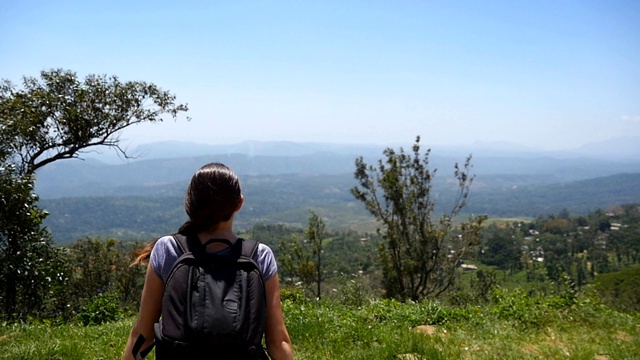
{"type": "Point", "coordinates": [544, 74]}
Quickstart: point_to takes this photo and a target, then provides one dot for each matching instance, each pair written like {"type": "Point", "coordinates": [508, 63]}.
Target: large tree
{"type": "Point", "coordinates": [56, 116]}
{"type": "Point", "coordinates": [420, 254]}
{"type": "Point", "coordinates": [29, 265]}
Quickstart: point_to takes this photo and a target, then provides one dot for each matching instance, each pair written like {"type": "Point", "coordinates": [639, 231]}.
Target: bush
{"type": "Point", "coordinates": [102, 309]}
{"type": "Point", "coordinates": [292, 294]}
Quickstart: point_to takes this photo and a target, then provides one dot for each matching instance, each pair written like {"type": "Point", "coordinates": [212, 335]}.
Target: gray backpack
{"type": "Point", "coordinates": [214, 304]}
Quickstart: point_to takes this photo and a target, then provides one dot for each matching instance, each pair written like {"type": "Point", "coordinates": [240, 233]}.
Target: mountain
{"type": "Point", "coordinates": [146, 176]}
{"type": "Point", "coordinates": [620, 148]}
{"type": "Point", "coordinates": [282, 181]}
{"type": "Point", "coordinates": [287, 199]}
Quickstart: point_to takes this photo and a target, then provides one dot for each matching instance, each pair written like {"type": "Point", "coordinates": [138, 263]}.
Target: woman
{"type": "Point", "coordinates": [212, 199]}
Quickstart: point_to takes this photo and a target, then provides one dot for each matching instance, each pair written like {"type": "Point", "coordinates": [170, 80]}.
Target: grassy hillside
{"type": "Point", "coordinates": [515, 327]}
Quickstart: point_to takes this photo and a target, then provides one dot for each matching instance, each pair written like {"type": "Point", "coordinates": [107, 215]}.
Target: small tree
{"type": "Point", "coordinates": [102, 267]}
{"type": "Point", "coordinates": [315, 235]}
{"type": "Point", "coordinates": [419, 255]}
{"type": "Point", "coordinates": [297, 257]}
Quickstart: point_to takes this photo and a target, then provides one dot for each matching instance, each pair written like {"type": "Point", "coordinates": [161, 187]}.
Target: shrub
{"type": "Point", "coordinates": [101, 309]}
{"type": "Point", "coordinates": [292, 294]}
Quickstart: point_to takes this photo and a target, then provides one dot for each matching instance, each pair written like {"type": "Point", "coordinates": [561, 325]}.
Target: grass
{"type": "Point", "coordinates": [514, 327]}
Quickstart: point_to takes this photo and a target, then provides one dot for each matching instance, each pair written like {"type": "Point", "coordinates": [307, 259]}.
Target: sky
{"type": "Point", "coordinates": [543, 74]}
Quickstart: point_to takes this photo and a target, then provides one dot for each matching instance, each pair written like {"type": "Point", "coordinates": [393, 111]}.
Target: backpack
{"type": "Point", "coordinates": [214, 304]}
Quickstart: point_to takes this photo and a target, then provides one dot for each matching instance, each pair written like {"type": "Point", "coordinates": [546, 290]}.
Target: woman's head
{"type": "Point", "coordinates": [213, 197]}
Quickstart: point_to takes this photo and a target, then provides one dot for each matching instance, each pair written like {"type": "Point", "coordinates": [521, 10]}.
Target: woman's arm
{"type": "Point", "coordinates": [276, 335]}
{"type": "Point", "coordinates": [150, 308]}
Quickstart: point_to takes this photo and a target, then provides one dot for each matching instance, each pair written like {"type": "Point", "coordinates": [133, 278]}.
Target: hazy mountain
{"type": "Point", "coordinates": [288, 199]}
{"type": "Point", "coordinates": [627, 148]}
{"type": "Point", "coordinates": [619, 148]}
{"type": "Point", "coordinates": [175, 162]}
{"type": "Point", "coordinates": [282, 181]}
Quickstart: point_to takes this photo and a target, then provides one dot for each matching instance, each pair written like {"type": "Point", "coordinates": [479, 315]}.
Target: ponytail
{"type": "Point", "coordinates": [189, 227]}
{"type": "Point", "coordinates": [142, 255]}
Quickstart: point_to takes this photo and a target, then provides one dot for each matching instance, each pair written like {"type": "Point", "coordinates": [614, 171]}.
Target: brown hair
{"type": "Point", "coordinates": [213, 196]}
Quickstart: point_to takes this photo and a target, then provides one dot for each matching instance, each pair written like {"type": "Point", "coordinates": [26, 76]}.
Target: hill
{"type": "Point", "coordinates": [140, 198]}
{"type": "Point", "coordinates": [152, 174]}
{"type": "Point", "coordinates": [288, 198]}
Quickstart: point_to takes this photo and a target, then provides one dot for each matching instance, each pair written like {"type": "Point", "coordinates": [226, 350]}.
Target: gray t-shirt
{"type": "Point", "coordinates": [166, 252]}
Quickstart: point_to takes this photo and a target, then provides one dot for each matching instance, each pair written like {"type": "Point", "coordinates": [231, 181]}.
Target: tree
{"type": "Point", "coordinates": [48, 119]}
{"type": "Point", "coordinates": [58, 116]}
{"type": "Point", "coordinates": [503, 248]}
{"type": "Point", "coordinates": [102, 267]}
{"type": "Point", "coordinates": [297, 257]}
{"type": "Point", "coordinates": [296, 261]}
{"type": "Point", "coordinates": [29, 265]}
{"type": "Point", "coordinates": [419, 255]}
{"type": "Point", "coordinates": [315, 235]}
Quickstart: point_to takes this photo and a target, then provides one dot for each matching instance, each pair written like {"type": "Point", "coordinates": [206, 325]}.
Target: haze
{"type": "Point", "coordinates": [543, 74]}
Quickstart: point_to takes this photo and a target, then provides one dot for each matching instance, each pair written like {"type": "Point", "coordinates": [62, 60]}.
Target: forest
{"type": "Point", "coordinates": [286, 199]}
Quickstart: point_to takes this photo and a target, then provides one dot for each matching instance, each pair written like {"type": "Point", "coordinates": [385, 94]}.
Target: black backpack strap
{"type": "Point", "coordinates": [215, 240]}
{"type": "Point", "coordinates": [249, 247]}
{"type": "Point", "coordinates": [181, 240]}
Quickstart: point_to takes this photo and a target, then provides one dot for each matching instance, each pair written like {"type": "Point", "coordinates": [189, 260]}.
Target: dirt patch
{"type": "Point", "coordinates": [530, 349]}
{"type": "Point", "coordinates": [409, 357]}
{"type": "Point", "coordinates": [425, 329]}
{"type": "Point", "coordinates": [5, 337]}
{"type": "Point", "coordinates": [623, 336]}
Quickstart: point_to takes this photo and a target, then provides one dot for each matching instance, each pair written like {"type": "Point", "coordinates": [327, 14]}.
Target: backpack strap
{"type": "Point", "coordinates": [249, 247]}
{"type": "Point", "coordinates": [189, 244]}
{"type": "Point", "coordinates": [181, 240]}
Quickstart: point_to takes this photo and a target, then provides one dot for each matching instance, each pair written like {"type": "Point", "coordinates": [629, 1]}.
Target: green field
{"type": "Point", "coordinates": [514, 326]}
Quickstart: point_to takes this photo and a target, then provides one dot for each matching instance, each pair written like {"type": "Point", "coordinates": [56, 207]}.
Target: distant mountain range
{"type": "Point", "coordinates": [170, 162]}
{"type": "Point", "coordinates": [138, 199]}
{"type": "Point", "coordinates": [619, 149]}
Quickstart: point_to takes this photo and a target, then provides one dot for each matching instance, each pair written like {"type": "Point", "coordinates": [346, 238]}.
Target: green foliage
{"type": "Point", "coordinates": [385, 330]}
{"type": "Point", "coordinates": [129, 204]}
{"type": "Point", "coordinates": [102, 267]}
{"type": "Point", "coordinates": [621, 289]}
{"type": "Point", "coordinates": [30, 267]}
{"type": "Point", "coordinates": [502, 247]}
{"type": "Point", "coordinates": [302, 260]}
{"type": "Point", "coordinates": [56, 116]}
{"type": "Point", "coordinates": [315, 234]}
{"type": "Point", "coordinates": [48, 119]}
{"type": "Point", "coordinates": [292, 294]}
{"type": "Point", "coordinates": [479, 291]}
{"type": "Point", "coordinates": [419, 255]}
{"type": "Point", "coordinates": [353, 294]}
{"type": "Point", "coordinates": [99, 310]}
{"type": "Point", "coordinates": [295, 259]}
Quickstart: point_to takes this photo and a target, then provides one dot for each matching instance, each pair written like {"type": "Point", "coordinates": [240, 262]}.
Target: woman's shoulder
{"type": "Point", "coordinates": [266, 261]}
{"type": "Point", "coordinates": [167, 243]}
{"type": "Point", "coordinates": [165, 252]}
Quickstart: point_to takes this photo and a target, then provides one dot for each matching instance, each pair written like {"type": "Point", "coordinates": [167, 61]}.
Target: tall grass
{"type": "Point", "coordinates": [513, 326]}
